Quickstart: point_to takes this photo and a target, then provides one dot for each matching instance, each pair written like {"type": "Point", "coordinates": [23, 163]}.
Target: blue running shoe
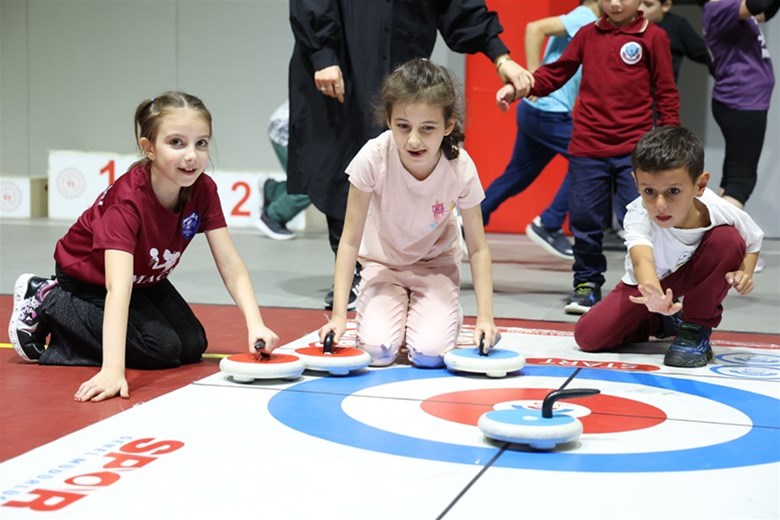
{"type": "Point", "coordinates": [691, 348]}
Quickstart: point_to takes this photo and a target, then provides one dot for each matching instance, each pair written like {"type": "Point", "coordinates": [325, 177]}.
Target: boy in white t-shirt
{"type": "Point", "coordinates": [683, 241]}
{"type": "Point", "coordinates": [401, 224]}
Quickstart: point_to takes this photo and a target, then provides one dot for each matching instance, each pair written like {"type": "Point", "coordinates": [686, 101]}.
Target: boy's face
{"type": "Point", "coordinates": [669, 196]}
{"type": "Point", "coordinates": [654, 10]}
{"type": "Point", "coordinates": [620, 12]}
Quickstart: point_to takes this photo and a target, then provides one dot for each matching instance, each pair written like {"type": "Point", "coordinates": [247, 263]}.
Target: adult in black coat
{"type": "Point", "coordinates": [343, 49]}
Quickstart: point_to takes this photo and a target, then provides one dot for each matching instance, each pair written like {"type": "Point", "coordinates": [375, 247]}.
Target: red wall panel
{"type": "Point", "coordinates": [490, 133]}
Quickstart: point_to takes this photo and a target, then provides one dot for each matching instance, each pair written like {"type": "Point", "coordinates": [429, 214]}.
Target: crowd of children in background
{"type": "Point", "coordinates": [603, 94]}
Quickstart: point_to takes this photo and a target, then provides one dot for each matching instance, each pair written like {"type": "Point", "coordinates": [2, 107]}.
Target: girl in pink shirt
{"type": "Point", "coordinates": [111, 304]}
{"type": "Point", "coordinates": [401, 224]}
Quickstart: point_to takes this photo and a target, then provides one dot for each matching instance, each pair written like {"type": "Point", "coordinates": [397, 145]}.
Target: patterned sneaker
{"type": "Point", "coordinates": [554, 242]}
{"type": "Point", "coordinates": [272, 228]}
{"type": "Point", "coordinates": [584, 296]}
{"type": "Point", "coordinates": [27, 334]}
{"type": "Point", "coordinates": [691, 347]}
{"type": "Point", "coordinates": [354, 292]}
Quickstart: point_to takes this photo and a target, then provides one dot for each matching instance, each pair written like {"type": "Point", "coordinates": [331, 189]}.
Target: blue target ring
{"type": "Point", "coordinates": [308, 406]}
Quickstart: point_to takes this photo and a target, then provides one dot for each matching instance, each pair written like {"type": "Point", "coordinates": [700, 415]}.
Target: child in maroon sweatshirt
{"type": "Point", "coordinates": [626, 70]}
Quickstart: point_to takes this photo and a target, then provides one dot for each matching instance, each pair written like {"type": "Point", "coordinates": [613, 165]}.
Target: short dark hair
{"type": "Point", "coordinates": [667, 148]}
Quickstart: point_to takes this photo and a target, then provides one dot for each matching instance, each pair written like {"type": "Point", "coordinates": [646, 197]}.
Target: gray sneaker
{"type": "Point", "coordinates": [554, 242]}
{"type": "Point", "coordinates": [272, 228]}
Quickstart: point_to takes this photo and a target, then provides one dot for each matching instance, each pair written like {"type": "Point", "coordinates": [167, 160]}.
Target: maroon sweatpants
{"type": "Point", "coordinates": [616, 321]}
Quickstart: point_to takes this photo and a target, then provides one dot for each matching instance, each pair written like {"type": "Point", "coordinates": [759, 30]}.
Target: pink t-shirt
{"type": "Point", "coordinates": [128, 217]}
{"type": "Point", "coordinates": [412, 222]}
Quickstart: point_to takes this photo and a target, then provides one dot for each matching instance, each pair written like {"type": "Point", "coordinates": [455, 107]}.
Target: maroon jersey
{"type": "Point", "coordinates": [127, 216]}
{"type": "Point", "coordinates": [625, 71]}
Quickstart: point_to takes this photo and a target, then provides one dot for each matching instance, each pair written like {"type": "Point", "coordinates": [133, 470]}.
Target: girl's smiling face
{"type": "Point", "coordinates": [418, 130]}
{"type": "Point", "coordinates": [180, 151]}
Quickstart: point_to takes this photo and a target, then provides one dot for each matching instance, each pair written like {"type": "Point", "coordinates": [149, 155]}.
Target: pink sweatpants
{"type": "Point", "coordinates": [418, 306]}
{"type": "Point", "coordinates": [616, 321]}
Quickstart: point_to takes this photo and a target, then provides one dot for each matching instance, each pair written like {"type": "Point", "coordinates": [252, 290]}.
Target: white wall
{"type": "Point", "coordinates": [72, 72]}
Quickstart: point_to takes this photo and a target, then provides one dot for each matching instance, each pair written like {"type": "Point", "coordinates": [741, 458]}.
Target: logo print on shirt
{"type": "Point", "coordinates": [439, 213]}
{"type": "Point", "coordinates": [170, 258]}
{"type": "Point", "coordinates": [631, 53]}
{"type": "Point", "coordinates": [190, 225]}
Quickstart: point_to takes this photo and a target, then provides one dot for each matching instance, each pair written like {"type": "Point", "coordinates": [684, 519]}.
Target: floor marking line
{"type": "Point", "coordinates": [473, 480]}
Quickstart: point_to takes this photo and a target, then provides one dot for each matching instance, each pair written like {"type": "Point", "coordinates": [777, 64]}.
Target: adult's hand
{"type": "Point", "coordinates": [330, 82]}
{"type": "Point", "coordinates": [511, 72]}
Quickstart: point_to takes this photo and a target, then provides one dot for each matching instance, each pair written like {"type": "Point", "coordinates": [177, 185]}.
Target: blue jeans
{"type": "Point", "coordinates": [540, 137]}
{"type": "Point", "coordinates": [594, 182]}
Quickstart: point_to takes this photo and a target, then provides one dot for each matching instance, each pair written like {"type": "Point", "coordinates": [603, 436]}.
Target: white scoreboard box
{"type": "Point", "coordinates": [22, 197]}
{"type": "Point", "coordinates": [76, 179]}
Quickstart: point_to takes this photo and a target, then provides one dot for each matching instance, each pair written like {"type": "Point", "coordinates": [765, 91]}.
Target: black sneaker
{"type": "Point", "coordinates": [27, 334]}
{"type": "Point", "coordinates": [691, 348]}
{"type": "Point", "coordinates": [554, 242]}
{"type": "Point", "coordinates": [272, 228]}
{"type": "Point", "coordinates": [670, 325]}
{"type": "Point", "coordinates": [584, 296]}
{"type": "Point", "coordinates": [354, 292]}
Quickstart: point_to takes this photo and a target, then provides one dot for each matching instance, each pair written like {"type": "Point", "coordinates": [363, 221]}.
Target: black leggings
{"type": "Point", "coordinates": [162, 330]}
{"type": "Point", "coordinates": [743, 131]}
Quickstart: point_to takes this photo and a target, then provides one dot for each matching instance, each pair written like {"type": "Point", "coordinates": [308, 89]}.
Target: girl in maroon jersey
{"type": "Point", "coordinates": [111, 304]}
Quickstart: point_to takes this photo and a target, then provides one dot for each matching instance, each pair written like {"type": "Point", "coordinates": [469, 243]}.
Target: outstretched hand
{"type": "Point", "coordinates": [656, 301]}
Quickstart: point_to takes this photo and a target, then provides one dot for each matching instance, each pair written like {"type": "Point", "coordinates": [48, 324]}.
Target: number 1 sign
{"type": "Point", "coordinates": [77, 178]}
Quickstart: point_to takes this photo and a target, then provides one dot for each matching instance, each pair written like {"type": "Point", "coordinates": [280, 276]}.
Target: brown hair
{"type": "Point", "coordinates": [421, 81]}
{"type": "Point", "coordinates": [669, 147]}
{"type": "Point", "coordinates": [150, 113]}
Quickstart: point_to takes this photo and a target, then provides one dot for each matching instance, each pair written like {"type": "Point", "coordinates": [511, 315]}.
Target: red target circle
{"type": "Point", "coordinates": [609, 414]}
{"type": "Point", "coordinates": [337, 351]}
{"type": "Point", "coordinates": [246, 357]}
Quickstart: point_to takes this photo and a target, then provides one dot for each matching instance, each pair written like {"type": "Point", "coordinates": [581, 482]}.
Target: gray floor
{"type": "Point", "coordinates": [529, 283]}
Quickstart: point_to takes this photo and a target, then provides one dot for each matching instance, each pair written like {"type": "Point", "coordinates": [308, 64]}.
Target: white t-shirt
{"type": "Point", "coordinates": [673, 247]}
{"type": "Point", "coordinates": [412, 222]}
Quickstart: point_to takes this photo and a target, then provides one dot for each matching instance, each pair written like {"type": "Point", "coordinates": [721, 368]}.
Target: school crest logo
{"type": "Point", "coordinates": [631, 53]}
{"type": "Point", "coordinates": [190, 225]}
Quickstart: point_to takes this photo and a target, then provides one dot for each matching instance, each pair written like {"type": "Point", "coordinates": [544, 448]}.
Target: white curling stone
{"type": "Point", "coordinates": [245, 368]}
{"type": "Point", "coordinates": [497, 363]}
{"type": "Point", "coordinates": [523, 426]}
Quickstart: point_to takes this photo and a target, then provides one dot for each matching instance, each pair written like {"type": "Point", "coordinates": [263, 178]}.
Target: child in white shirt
{"type": "Point", "coordinates": [683, 241]}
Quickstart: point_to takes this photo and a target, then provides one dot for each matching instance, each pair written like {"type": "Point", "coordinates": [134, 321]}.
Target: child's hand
{"type": "Point", "coordinates": [740, 281]}
{"type": "Point", "coordinates": [337, 325]}
{"type": "Point", "coordinates": [505, 96]}
{"type": "Point", "coordinates": [656, 301]}
{"type": "Point", "coordinates": [104, 385]}
{"type": "Point", "coordinates": [489, 329]}
{"type": "Point", "coordinates": [265, 334]}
